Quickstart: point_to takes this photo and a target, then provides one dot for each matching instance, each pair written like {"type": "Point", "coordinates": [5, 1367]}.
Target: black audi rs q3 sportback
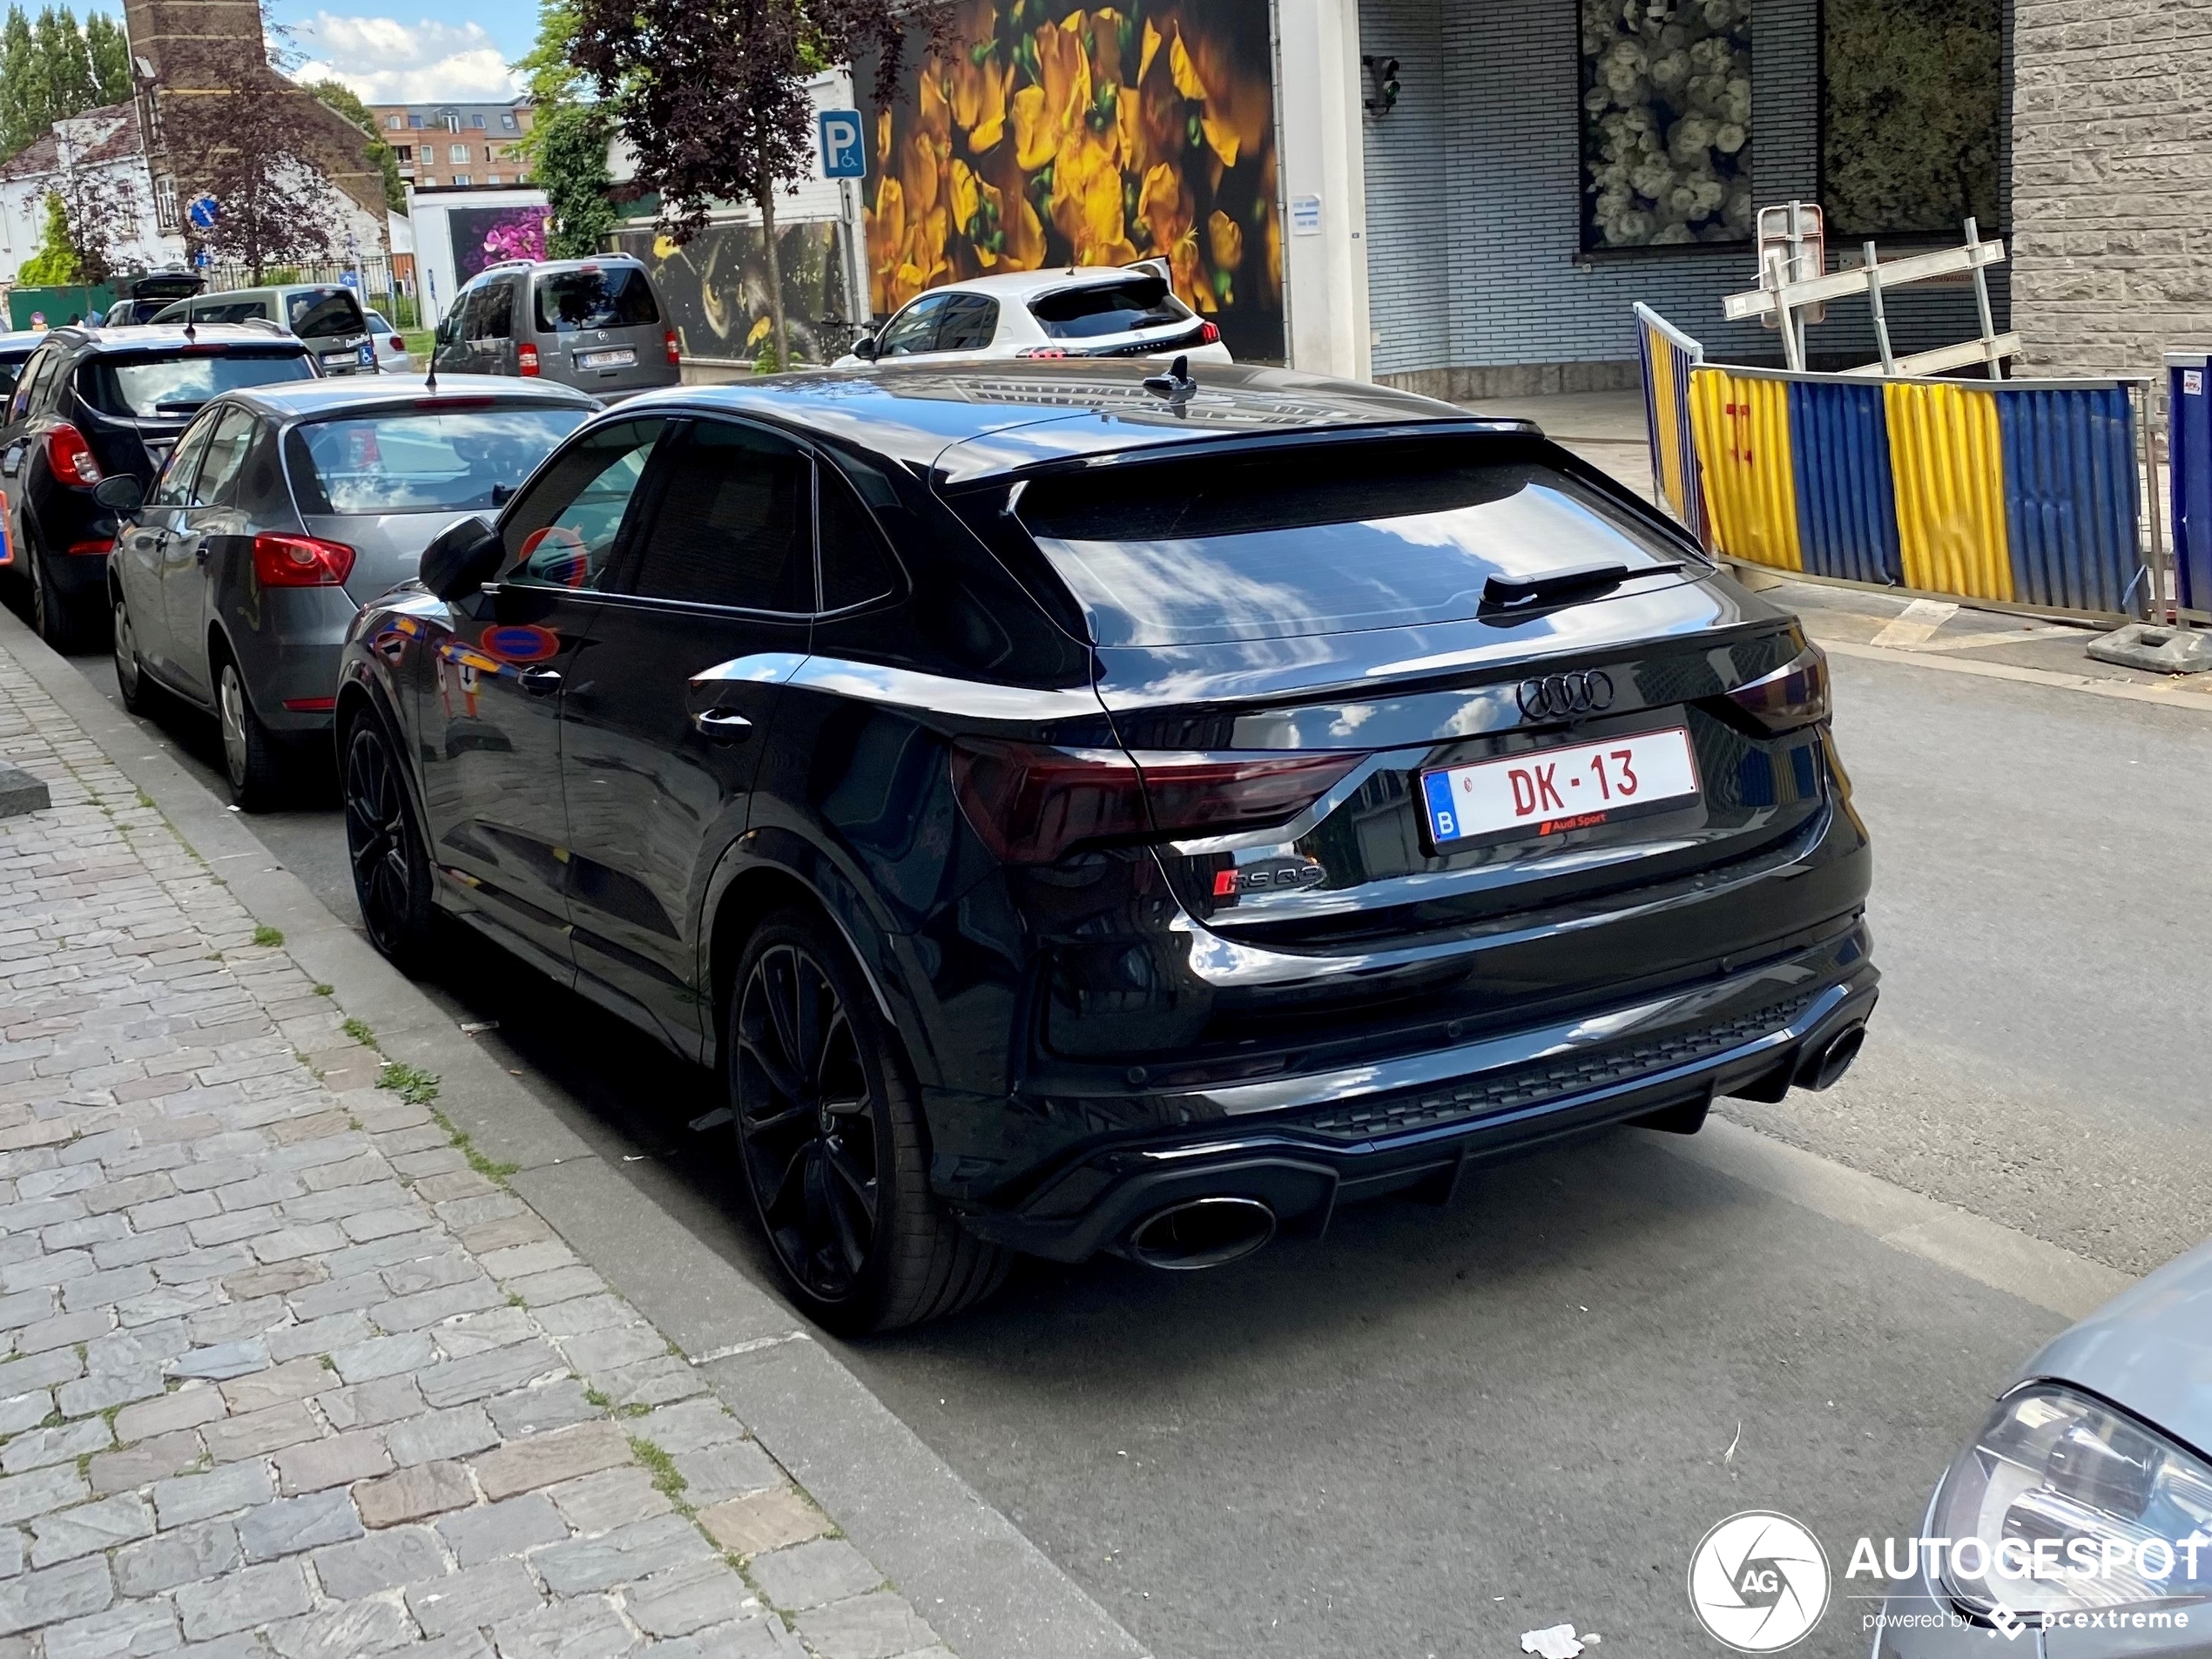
{"type": "Point", "coordinates": [1078, 812]}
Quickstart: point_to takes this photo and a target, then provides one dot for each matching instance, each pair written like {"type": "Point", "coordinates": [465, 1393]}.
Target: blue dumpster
{"type": "Point", "coordinates": [2188, 452]}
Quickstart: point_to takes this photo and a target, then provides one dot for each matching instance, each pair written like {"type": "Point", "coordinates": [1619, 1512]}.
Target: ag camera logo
{"type": "Point", "coordinates": [1759, 1581]}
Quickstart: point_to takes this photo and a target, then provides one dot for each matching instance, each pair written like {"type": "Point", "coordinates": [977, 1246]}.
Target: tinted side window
{"type": "Point", "coordinates": [173, 487]}
{"type": "Point", "coordinates": [496, 319]}
{"type": "Point", "coordinates": [856, 565]}
{"type": "Point", "coordinates": [40, 367]}
{"type": "Point", "coordinates": [970, 320]}
{"type": "Point", "coordinates": [232, 311]}
{"type": "Point", "coordinates": [562, 532]}
{"type": "Point", "coordinates": [914, 329]}
{"type": "Point", "coordinates": [226, 455]}
{"type": "Point", "coordinates": [734, 523]}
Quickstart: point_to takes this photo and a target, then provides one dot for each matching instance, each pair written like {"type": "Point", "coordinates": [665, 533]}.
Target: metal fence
{"type": "Point", "coordinates": [2012, 492]}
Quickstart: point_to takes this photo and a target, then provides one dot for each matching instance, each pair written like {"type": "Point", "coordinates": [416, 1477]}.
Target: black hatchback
{"type": "Point", "coordinates": [92, 404]}
{"type": "Point", "coordinates": [1078, 812]}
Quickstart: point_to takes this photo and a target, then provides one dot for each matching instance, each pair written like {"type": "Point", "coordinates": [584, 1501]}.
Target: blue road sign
{"type": "Point", "coordinates": [845, 153]}
{"type": "Point", "coordinates": [349, 278]}
{"type": "Point", "coordinates": [203, 211]}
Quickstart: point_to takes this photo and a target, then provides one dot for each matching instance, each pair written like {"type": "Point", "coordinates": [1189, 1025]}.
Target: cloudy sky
{"type": "Point", "coordinates": [407, 59]}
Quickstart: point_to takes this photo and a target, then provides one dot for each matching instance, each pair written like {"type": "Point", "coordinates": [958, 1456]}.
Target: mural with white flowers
{"type": "Point", "coordinates": [1666, 122]}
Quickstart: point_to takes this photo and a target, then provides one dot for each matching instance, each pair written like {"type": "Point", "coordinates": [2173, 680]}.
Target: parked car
{"type": "Point", "coordinates": [327, 315]}
{"type": "Point", "coordinates": [593, 323]}
{"type": "Point", "coordinates": [392, 353]}
{"type": "Point", "coordinates": [234, 578]}
{"type": "Point", "coordinates": [94, 404]}
{"type": "Point", "coordinates": [1081, 811]}
{"type": "Point", "coordinates": [2103, 1439]}
{"type": "Point", "coordinates": [151, 293]}
{"type": "Point", "coordinates": [1102, 311]}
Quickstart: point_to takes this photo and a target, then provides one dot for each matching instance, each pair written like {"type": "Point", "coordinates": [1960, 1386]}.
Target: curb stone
{"type": "Point", "coordinates": [560, 1310]}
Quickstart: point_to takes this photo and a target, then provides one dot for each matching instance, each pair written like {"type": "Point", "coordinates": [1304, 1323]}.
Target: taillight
{"type": "Point", "coordinates": [70, 458]}
{"type": "Point", "coordinates": [93, 550]}
{"type": "Point", "coordinates": [1042, 351]}
{"type": "Point", "coordinates": [1209, 333]}
{"type": "Point", "coordinates": [674, 346]}
{"type": "Point", "coordinates": [526, 360]}
{"type": "Point", "coordinates": [1030, 803]}
{"type": "Point", "coordinates": [1794, 695]}
{"type": "Point", "coordinates": [300, 561]}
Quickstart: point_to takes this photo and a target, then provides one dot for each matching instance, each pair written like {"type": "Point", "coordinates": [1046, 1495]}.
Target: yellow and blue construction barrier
{"type": "Point", "coordinates": [2022, 492]}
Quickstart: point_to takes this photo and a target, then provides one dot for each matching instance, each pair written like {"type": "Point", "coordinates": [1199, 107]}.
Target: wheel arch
{"type": "Point", "coordinates": [745, 892]}
{"type": "Point", "coordinates": [360, 697]}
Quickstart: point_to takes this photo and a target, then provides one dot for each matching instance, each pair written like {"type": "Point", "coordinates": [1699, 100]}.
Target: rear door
{"type": "Point", "coordinates": [492, 736]}
{"type": "Point", "coordinates": [142, 547]}
{"type": "Point", "coordinates": [599, 327]}
{"type": "Point", "coordinates": [491, 327]}
{"type": "Point", "coordinates": [658, 773]}
{"type": "Point", "coordinates": [204, 547]}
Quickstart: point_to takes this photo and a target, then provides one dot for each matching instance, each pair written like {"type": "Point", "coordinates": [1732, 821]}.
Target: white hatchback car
{"type": "Point", "coordinates": [1094, 311]}
{"type": "Point", "coordinates": [391, 349]}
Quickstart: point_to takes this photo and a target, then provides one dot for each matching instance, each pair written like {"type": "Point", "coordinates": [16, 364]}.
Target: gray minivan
{"type": "Point", "coordinates": [329, 317]}
{"type": "Point", "coordinates": [595, 324]}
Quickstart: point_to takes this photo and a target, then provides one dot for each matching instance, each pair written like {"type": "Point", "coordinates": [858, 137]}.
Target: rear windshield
{"type": "Point", "coordinates": [325, 314]}
{"type": "Point", "coordinates": [618, 297]}
{"type": "Point", "coordinates": [174, 385]}
{"type": "Point", "coordinates": [1108, 308]}
{"type": "Point", "coordinates": [1358, 535]}
{"type": "Point", "coordinates": [421, 462]}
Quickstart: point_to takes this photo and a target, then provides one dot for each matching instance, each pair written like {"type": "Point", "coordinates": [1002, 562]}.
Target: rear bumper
{"type": "Point", "coordinates": [1302, 1146]}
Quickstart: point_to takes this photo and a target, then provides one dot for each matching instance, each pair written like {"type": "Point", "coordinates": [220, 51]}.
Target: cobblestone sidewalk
{"type": "Point", "coordinates": [283, 1369]}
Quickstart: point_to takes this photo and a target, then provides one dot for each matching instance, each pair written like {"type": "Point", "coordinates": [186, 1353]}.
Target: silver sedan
{"type": "Point", "coordinates": [278, 512]}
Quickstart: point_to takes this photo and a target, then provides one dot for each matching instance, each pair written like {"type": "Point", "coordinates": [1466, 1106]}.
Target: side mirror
{"type": "Point", "coordinates": [866, 347]}
{"type": "Point", "coordinates": [122, 494]}
{"type": "Point", "coordinates": [461, 560]}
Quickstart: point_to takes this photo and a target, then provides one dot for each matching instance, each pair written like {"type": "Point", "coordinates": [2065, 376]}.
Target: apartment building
{"type": "Point", "coordinates": [456, 145]}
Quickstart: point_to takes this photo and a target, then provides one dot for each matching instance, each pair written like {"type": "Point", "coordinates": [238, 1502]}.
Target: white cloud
{"type": "Point", "coordinates": [389, 62]}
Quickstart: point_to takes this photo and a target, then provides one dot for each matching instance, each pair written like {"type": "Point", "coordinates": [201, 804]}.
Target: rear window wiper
{"type": "Point", "coordinates": [1564, 583]}
{"type": "Point", "coordinates": [178, 406]}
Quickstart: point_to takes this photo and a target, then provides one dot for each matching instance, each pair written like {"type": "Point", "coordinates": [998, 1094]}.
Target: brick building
{"type": "Point", "coordinates": [448, 145]}
{"type": "Point", "coordinates": [185, 51]}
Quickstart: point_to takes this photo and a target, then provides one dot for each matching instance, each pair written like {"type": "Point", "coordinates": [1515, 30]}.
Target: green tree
{"type": "Point", "coordinates": [25, 111]}
{"type": "Point", "coordinates": [68, 64]}
{"type": "Point", "coordinates": [343, 99]}
{"type": "Point", "coordinates": [571, 167]}
{"type": "Point", "coordinates": [111, 54]}
{"type": "Point", "coordinates": [55, 264]}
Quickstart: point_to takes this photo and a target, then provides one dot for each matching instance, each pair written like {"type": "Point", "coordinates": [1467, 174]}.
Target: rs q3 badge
{"type": "Point", "coordinates": [1268, 875]}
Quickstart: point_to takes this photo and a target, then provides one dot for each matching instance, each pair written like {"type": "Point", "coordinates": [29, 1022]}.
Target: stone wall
{"type": "Point", "coordinates": [2112, 175]}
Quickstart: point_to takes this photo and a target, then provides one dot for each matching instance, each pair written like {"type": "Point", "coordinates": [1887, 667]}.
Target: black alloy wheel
{"type": "Point", "coordinates": [50, 612]}
{"type": "Point", "coordinates": [831, 1142]}
{"type": "Point", "coordinates": [391, 870]}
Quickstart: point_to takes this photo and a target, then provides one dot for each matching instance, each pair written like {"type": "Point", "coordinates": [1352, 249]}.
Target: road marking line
{"type": "Point", "coordinates": [753, 1346]}
{"type": "Point", "coordinates": [1917, 621]}
{"type": "Point", "coordinates": [1975, 642]}
{"type": "Point", "coordinates": [1987, 1251]}
{"type": "Point", "coordinates": [2179, 694]}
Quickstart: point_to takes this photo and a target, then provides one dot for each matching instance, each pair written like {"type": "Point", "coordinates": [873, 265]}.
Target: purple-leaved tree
{"type": "Point", "coordinates": [712, 94]}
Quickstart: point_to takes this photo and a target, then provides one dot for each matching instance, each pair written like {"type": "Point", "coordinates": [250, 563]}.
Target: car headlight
{"type": "Point", "coordinates": [2076, 1507]}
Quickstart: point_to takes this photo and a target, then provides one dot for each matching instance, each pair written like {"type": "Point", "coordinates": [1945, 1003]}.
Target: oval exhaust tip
{"type": "Point", "coordinates": [1823, 1069]}
{"type": "Point", "coordinates": [1205, 1233]}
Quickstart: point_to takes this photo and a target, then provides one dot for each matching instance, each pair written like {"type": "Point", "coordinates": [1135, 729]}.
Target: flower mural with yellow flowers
{"type": "Point", "coordinates": [1043, 136]}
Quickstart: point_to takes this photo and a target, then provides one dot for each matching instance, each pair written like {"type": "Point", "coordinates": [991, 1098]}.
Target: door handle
{"type": "Point", "coordinates": [199, 553]}
{"type": "Point", "coordinates": [540, 682]}
{"type": "Point", "coordinates": [722, 725]}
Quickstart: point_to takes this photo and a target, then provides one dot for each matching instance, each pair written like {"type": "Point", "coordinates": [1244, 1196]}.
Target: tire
{"type": "Point", "coordinates": [391, 870]}
{"type": "Point", "coordinates": [250, 757]}
{"type": "Point", "coordinates": [130, 673]}
{"type": "Point", "coordinates": [831, 1142]}
{"type": "Point", "coordinates": [55, 619]}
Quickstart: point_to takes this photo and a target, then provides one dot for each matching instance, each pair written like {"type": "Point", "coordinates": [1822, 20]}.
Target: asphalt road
{"type": "Point", "coordinates": [1435, 1430]}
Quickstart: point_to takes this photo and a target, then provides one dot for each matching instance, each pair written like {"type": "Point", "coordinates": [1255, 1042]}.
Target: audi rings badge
{"type": "Point", "coordinates": [1567, 697]}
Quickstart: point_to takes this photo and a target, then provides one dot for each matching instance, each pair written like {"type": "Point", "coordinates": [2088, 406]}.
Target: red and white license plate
{"type": "Point", "coordinates": [1548, 791]}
